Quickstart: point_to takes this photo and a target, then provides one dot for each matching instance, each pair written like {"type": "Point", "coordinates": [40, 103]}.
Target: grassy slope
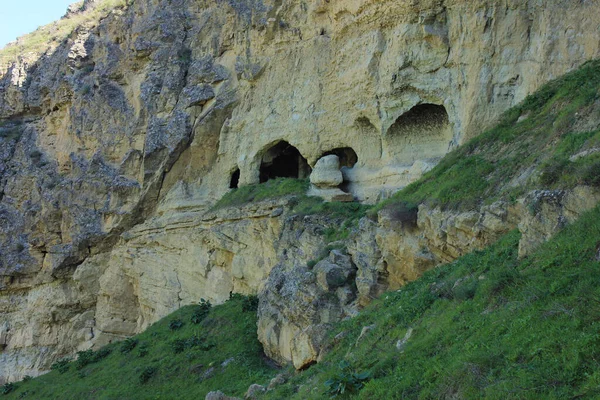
{"type": "Point", "coordinates": [228, 328]}
{"type": "Point", "coordinates": [486, 326]}
{"type": "Point", "coordinates": [539, 134]}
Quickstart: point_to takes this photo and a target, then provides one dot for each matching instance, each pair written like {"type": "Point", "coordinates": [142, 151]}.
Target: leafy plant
{"type": "Point", "coordinates": [87, 357]}
{"type": "Point", "coordinates": [250, 304]}
{"type": "Point", "coordinates": [346, 381]}
{"type": "Point", "coordinates": [7, 388]}
{"type": "Point", "coordinates": [143, 349]}
{"type": "Point", "coordinates": [128, 345]}
{"type": "Point", "coordinates": [180, 345]}
{"type": "Point", "coordinates": [147, 373]}
{"type": "Point", "coordinates": [201, 311]}
{"type": "Point", "coordinates": [176, 324]}
{"type": "Point", "coordinates": [61, 366]}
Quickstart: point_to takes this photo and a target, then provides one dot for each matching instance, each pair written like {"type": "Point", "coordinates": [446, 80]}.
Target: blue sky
{"type": "Point", "coordinates": [18, 17]}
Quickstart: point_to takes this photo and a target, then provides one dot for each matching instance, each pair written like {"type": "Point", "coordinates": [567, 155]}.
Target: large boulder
{"type": "Point", "coordinates": [326, 178]}
{"type": "Point", "coordinates": [326, 173]}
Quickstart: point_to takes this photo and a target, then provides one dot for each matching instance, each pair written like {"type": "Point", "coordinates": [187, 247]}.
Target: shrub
{"type": "Point", "coordinates": [250, 304]}
{"type": "Point", "coordinates": [465, 290]}
{"type": "Point", "coordinates": [201, 311]}
{"type": "Point", "coordinates": [61, 366]}
{"type": "Point", "coordinates": [143, 350]}
{"type": "Point", "coordinates": [346, 381]}
{"type": "Point", "coordinates": [178, 345]}
{"type": "Point", "coordinates": [552, 170]}
{"type": "Point", "coordinates": [7, 388]}
{"type": "Point", "coordinates": [87, 357]}
{"type": "Point", "coordinates": [591, 174]}
{"type": "Point", "coordinates": [27, 378]}
{"type": "Point", "coordinates": [147, 373]}
{"type": "Point", "coordinates": [128, 345]}
{"type": "Point", "coordinates": [176, 324]}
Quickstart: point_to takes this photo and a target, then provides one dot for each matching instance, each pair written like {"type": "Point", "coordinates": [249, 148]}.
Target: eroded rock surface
{"type": "Point", "coordinates": [115, 144]}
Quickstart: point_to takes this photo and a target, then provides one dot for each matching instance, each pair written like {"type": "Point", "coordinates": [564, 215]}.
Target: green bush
{"type": "Point", "coordinates": [147, 373]}
{"type": "Point", "coordinates": [346, 381]}
{"type": "Point", "coordinates": [7, 388]}
{"type": "Point", "coordinates": [591, 174]}
{"type": "Point", "coordinates": [128, 345]}
{"type": "Point", "coordinates": [143, 349]}
{"type": "Point", "coordinates": [62, 365]}
{"type": "Point", "coordinates": [179, 345]}
{"type": "Point", "coordinates": [201, 311]}
{"type": "Point", "coordinates": [552, 170]}
{"type": "Point", "coordinates": [176, 324]}
{"type": "Point", "coordinates": [250, 304]}
{"type": "Point", "coordinates": [87, 357]}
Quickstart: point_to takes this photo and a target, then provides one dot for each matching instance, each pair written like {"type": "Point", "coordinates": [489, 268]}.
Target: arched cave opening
{"type": "Point", "coordinates": [283, 161]}
{"type": "Point", "coordinates": [235, 179]}
{"type": "Point", "coordinates": [347, 155]}
{"type": "Point", "coordinates": [422, 132]}
{"type": "Point", "coordinates": [421, 117]}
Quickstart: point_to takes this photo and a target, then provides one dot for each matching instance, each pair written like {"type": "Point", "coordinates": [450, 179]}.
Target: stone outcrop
{"type": "Point", "coordinates": [326, 178]}
{"type": "Point", "coordinates": [546, 212]}
{"type": "Point", "coordinates": [300, 302]}
{"type": "Point", "coordinates": [115, 144]}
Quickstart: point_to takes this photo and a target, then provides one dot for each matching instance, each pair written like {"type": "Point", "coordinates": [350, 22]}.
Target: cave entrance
{"type": "Point", "coordinates": [235, 179]}
{"type": "Point", "coordinates": [422, 132]}
{"type": "Point", "coordinates": [283, 161]}
{"type": "Point", "coordinates": [347, 156]}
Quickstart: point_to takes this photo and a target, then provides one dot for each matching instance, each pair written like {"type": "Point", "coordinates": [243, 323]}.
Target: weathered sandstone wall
{"type": "Point", "coordinates": [114, 145]}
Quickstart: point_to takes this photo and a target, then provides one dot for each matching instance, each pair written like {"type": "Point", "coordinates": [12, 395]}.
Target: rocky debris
{"type": "Point", "coordinates": [363, 333]}
{"type": "Point", "coordinates": [326, 178]}
{"type": "Point", "coordinates": [209, 373]}
{"type": "Point", "coordinates": [254, 392]}
{"type": "Point", "coordinates": [218, 395]}
{"type": "Point", "coordinates": [225, 363]}
{"type": "Point", "coordinates": [334, 272]}
{"type": "Point", "coordinates": [277, 381]}
{"type": "Point", "coordinates": [546, 212]}
{"type": "Point", "coordinates": [401, 343]}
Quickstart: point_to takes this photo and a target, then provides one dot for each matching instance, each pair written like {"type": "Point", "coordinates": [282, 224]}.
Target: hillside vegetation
{"type": "Point", "coordinates": [51, 35]}
{"type": "Point", "coordinates": [197, 349]}
{"type": "Point", "coordinates": [486, 326]}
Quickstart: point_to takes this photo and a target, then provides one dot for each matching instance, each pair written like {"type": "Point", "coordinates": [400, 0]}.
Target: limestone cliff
{"type": "Point", "coordinates": [116, 143]}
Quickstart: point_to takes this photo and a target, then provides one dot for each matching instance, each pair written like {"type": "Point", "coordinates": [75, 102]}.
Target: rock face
{"type": "Point", "coordinates": [300, 302]}
{"type": "Point", "coordinates": [115, 144]}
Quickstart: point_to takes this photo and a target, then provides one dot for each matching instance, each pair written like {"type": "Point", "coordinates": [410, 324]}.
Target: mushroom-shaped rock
{"type": "Point", "coordinates": [325, 179]}
{"type": "Point", "coordinates": [326, 173]}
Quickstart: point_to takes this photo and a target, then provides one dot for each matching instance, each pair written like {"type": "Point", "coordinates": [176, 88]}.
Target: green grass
{"type": "Point", "coordinates": [51, 35]}
{"type": "Point", "coordinates": [166, 363]}
{"type": "Point", "coordinates": [540, 133]}
{"type": "Point", "coordinates": [347, 214]}
{"type": "Point", "coordinates": [272, 189]}
{"type": "Point", "coordinates": [485, 326]}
